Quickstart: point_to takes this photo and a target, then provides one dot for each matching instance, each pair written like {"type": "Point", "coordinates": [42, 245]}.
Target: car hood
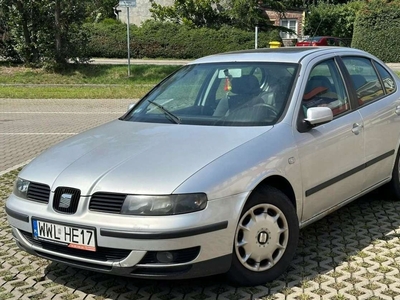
{"type": "Point", "coordinates": [134, 157]}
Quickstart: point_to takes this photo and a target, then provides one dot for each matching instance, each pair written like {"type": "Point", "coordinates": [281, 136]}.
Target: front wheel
{"type": "Point", "coordinates": [266, 238]}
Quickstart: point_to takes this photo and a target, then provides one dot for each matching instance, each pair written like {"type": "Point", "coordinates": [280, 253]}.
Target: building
{"type": "Point", "coordinates": [293, 19]}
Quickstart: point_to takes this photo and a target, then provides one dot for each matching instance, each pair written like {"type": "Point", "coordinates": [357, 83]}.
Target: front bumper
{"type": "Point", "coordinates": [201, 242]}
{"type": "Point", "coordinates": [173, 271]}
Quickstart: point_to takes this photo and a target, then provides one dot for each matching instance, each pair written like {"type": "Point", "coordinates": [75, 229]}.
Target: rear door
{"type": "Point", "coordinates": [379, 105]}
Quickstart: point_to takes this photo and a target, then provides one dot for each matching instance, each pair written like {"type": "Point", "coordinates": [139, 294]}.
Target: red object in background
{"type": "Point", "coordinates": [323, 41]}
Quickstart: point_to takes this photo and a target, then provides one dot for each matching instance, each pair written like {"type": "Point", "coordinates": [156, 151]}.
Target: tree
{"type": "Point", "coordinates": [247, 14]}
{"type": "Point", "coordinates": [243, 14]}
{"type": "Point", "coordinates": [307, 3]}
{"type": "Point", "coordinates": [97, 10]}
{"type": "Point", "coordinates": [43, 32]}
{"type": "Point", "coordinates": [195, 13]}
{"type": "Point", "coordinates": [330, 19]}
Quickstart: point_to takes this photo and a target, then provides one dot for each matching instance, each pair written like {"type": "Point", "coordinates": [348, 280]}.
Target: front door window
{"type": "Point", "coordinates": [325, 87]}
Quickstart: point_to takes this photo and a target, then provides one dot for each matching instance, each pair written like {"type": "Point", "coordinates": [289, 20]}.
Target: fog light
{"type": "Point", "coordinates": [165, 257]}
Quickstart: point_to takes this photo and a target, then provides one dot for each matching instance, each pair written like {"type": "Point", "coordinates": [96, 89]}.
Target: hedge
{"type": "Point", "coordinates": [377, 30]}
{"type": "Point", "coordinates": [169, 40]}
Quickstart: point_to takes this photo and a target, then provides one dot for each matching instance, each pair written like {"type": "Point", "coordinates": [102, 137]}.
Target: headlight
{"type": "Point", "coordinates": [163, 205]}
{"type": "Point", "coordinates": [21, 188]}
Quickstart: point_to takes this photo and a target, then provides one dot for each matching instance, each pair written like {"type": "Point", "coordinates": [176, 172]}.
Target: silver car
{"type": "Point", "coordinates": [217, 168]}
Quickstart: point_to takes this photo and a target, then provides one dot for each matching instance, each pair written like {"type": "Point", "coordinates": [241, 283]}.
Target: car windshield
{"type": "Point", "coordinates": [219, 94]}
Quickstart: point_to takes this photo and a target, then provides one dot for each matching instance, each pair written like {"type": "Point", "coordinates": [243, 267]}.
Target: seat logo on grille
{"type": "Point", "coordinates": [65, 200]}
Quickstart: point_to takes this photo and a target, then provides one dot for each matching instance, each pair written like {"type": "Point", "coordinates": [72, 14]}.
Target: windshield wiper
{"type": "Point", "coordinates": [173, 117]}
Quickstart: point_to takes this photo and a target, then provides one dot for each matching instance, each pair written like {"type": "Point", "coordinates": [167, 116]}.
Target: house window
{"type": "Point", "coordinates": [291, 24]}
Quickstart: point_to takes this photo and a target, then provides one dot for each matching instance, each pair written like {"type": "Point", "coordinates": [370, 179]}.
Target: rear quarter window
{"type": "Point", "coordinates": [387, 79]}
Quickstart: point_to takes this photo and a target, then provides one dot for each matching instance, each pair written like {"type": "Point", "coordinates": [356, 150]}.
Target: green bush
{"type": "Point", "coordinates": [169, 40]}
{"type": "Point", "coordinates": [332, 19]}
{"type": "Point", "coordinates": [377, 30]}
{"type": "Point", "coordinates": [106, 40]}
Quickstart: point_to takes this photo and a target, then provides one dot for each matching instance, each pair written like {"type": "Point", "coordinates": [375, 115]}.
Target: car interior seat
{"type": "Point", "coordinates": [245, 85]}
{"type": "Point", "coordinates": [358, 80]}
{"type": "Point", "coordinates": [317, 84]}
{"type": "Point", "coordinates": [243, 90]}
{"type": "Point", "coordinates": [321, 92]}
{"type": "Point", "coordinates": [280, 89]}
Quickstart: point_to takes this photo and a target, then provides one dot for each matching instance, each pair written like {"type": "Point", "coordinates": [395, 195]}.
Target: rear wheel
{"type": "Point", "coordinates": [266, 238]}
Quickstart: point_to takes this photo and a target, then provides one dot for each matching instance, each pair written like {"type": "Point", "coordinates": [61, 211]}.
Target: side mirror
{"type": "Point", "coordinates": [319, 115]}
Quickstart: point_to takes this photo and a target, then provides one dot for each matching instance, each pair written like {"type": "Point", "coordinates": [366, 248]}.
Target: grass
{"type": "Point", "coordinates": [81, 81]}
{"type": "Point", "coordinates": [86, 74]}
{"type": "Point", "coordinates": [74, 92]}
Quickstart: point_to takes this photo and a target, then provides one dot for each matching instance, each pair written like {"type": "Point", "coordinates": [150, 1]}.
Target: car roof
{"type": "Point", "coordinates": [283, 54]}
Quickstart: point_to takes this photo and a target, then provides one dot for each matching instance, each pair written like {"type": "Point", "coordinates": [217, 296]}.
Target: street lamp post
{"type": "Point", "coordinates": [128, 41]}
{"type": "Point", "coordinates": [256, 38]}
{"type": "Point", "coordinates": [128, 4]}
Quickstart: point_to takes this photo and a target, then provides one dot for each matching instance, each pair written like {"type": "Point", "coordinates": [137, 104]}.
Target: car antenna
{"type": "Point", "coordinates": [315, 32]}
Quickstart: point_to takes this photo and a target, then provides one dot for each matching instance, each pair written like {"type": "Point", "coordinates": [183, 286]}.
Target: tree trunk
{"type": "Point", "coordinates": [28, 48]}
{"type": "Point", "coordinates": [57, 16]}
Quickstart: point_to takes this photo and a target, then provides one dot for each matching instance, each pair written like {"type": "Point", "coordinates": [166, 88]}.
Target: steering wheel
{"type": "Point", "coordinates": [269, 108]}
{"type": "Point", "coordinates": [260, 112]}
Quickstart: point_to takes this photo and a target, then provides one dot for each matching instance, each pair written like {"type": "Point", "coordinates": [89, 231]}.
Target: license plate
{"type": "Point", "coordinates": [70, 236]}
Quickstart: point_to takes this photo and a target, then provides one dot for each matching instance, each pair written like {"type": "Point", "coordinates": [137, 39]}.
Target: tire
{"type": "Point", "coordinates": [394, 184]}
{"type": "Point", "coordinates": [266, 238]}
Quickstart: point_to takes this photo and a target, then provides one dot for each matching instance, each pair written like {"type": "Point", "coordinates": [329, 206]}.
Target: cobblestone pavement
{"type": "Point", "coordinates": [27, 126]}
{"type": "Point", "coordinates": [353, 253]}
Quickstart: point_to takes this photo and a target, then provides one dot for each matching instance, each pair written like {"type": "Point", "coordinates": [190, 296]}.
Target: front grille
{"type": "Point", "coordinates": [180, 256]}
{"type": "Point", "coordinates": [101, 254]}
{"type": "Point", "coordinates": [107, 202]}
{"type": "Point", "coordinates": [38, 192]}
{"type": "Point", "coordinates": [66, 200]}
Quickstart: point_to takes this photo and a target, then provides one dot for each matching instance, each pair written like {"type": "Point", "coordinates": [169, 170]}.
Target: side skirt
{"type": "Point", "coordinates": [340, 205]}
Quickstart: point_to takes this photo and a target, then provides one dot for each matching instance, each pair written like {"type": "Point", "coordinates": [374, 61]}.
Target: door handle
{"type": "Point", "coordinates": [397, 111]}
{"type": "Point", "coordinates": [356, 128]}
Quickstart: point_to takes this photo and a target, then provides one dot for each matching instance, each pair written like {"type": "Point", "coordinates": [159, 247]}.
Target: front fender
{"type": "Point", "coordinates": [242, 169]}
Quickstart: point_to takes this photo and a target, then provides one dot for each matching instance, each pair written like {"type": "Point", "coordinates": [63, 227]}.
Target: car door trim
{"type": "Point", "coordinates": [348, 173]}
{"type": "Point", "coordinates": [146, 235]}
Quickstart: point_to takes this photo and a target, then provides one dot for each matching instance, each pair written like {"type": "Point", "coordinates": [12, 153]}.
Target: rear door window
{"type": "Point", "coordinates": [364, 78]}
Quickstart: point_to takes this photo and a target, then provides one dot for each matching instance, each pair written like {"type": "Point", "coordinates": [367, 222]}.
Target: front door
{"type": "Point", "coordinates": [331, 154]}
